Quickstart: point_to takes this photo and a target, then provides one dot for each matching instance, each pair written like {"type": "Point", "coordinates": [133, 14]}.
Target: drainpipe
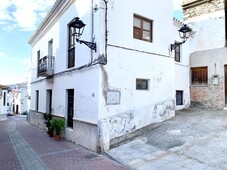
{"type": "Point", "coordinates": [92, 27]}
{"type": "Point", "coordinates": [106, 31]}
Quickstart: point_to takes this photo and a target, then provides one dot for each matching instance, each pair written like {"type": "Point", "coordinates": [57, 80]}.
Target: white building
{"type": "Point", "coordinates": [127, 84]}
{"type": "Point", "coordinates": [18, 98]}
{"type": "Point", "coordinates": [182, 69]}
{"type": "Point", "coordinates": [208, 61]}
{"type": "Point", "coordinates": [4, 103]}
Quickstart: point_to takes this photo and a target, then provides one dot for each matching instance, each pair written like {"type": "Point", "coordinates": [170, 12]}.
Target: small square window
{"type": "Point", "coordinates": [142, 84]}
{"type": "Point", "coordinates": [179, 97]}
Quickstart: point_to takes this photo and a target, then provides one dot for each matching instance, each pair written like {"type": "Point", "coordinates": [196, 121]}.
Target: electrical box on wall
{"type": "Point", "coordinates": [113, 97]}
{"type": "Point", "coordinates": [215, 79]}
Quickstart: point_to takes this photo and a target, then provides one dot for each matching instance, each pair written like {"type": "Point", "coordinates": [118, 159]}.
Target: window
{"type": "Point", "coordinates": [71, 49]}
{"type": "Point", "coordinates": [37, 101]}
{"type": "Point", "coordinates": [179, 97]}
{"type": "Point", "coordinates": [199, 75]}
{"type": "Point", "coordinates": [70, 109]}
{"type": "Point", "coordinates": [177, 52]}
{"type": "Point", "coordinates": [4, 98]}
{"type": "Point", "coordinates": [142, 84]}
{"type": "Point", "coordinates": [142, 28]}
{"type": "Point", "coordinates": [38, 60]}
{"type": "Point", "coordinates": [49, 101]}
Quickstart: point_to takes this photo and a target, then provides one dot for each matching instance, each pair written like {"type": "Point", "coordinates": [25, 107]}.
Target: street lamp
{"type": "Point", "coordinates": [77, 29]}
{"type": "Point", "coordinates": [184, 33]}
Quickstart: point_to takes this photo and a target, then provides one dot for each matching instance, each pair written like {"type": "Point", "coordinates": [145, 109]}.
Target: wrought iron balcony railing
{"type": "Point", "coordinates": [46, 66]}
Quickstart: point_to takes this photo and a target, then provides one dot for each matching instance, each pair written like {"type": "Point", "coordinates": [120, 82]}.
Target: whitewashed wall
{"type": "Point", "coordinates": [182, 68]}
{"type": "Point", "coordinates": [131, 59]}
{"type": "Point", "coordinates": [84, 82]}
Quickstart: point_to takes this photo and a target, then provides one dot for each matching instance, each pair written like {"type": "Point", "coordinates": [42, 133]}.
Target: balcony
{"type": "Point", "coordinates": [46, 66]}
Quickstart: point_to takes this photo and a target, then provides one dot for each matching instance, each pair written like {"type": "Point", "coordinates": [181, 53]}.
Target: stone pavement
{"type": "Point", "coordinates": [140, 156]}
{"type": "Point", "coordinates": [25, 147]}
{"type": "Point", "coordinates": [195, 139]}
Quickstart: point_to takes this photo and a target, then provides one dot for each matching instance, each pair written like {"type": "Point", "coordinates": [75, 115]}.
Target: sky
{"type": "Point", "coordinates": [18, 21]}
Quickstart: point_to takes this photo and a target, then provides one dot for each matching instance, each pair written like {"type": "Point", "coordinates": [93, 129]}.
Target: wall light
{"type": "Point", "coordinates": [77, 29]}
{"type": "Point", "coordinates": [184, 33]}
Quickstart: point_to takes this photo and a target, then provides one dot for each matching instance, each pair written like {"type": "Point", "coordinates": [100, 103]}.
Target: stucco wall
{"type": "Point", "coordinates": [128, 59]}
{"type": "Point", "coordinates": [212, 95]}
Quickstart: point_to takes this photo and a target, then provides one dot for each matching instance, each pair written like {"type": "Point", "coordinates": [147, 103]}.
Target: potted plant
{"type": "Point", "coordinates": [47, 118]}
{"type": "Point", "coordinates": [58, 126]}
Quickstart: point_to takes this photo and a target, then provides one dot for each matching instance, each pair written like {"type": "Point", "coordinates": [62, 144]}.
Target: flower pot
{"type": "Point", "coordinates": [57, 137]}
{"type": "Point", "coordinates": [50, 133]}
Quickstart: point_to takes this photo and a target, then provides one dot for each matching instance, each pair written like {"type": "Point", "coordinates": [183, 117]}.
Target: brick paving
{"type": "Point", "coordinates": [23, 146]}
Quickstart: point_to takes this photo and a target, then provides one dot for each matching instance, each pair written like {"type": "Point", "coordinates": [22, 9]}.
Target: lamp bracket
{"type": "Point", "coordinates": [173, 46]}
{"type": "Point", "coordinates": [91, 45]}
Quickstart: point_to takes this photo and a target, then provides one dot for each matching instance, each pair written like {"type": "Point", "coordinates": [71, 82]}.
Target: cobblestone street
{"type": "Point", "coordinates": [23, 146]}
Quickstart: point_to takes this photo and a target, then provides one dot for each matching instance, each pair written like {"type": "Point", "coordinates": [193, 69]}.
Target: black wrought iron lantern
{"type": "Point", "coordinates": [77, 28]}
{"type": "Point", "coordinates": [184, 33]}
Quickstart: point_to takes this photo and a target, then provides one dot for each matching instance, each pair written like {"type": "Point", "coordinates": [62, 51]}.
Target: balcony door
{"type": "Point", "coordinates": [70, 107]}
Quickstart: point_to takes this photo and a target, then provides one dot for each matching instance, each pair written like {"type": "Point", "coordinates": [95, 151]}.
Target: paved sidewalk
{"type": "Point", "coordinates": [140, 156]}
{"type": "Point", "coordinates": [25, 147]}
{"type": "Point", "coordinates": [196, 139]}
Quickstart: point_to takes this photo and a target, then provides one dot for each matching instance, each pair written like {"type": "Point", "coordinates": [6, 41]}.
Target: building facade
{"type": "Point", "coordinates": [4, 102]}
{"type": "Point", "coordinates": [125, 85]}
{"type": "Point", "coordinates": [208, 60]}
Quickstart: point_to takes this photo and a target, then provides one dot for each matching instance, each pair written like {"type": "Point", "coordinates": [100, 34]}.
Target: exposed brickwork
{"type": "Point", "coordinates": [195, 8]}
{"type": "Point", "coordinates": [211, 96]}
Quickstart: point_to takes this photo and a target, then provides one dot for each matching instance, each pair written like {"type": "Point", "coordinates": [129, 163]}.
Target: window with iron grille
{"type": "Point", "coordinates": [177, 52]}
{"type": "Point", "coordinates": [142, 28]}
{"type": "Point", "coordinates": [199, 75]}
{"type": "Point", "coordinates": [142, 84]}
{"type": "Point", "coordinates": [179, 97]}
{"type": "Point", "coordinates": [71, 49]}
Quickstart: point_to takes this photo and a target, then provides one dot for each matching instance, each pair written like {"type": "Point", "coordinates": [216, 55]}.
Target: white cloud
{"type": "Point", "coordinates": [2, 54]}
{"type": "Point", "coordinates": [25, 14]}
{"type": "Point", "coordinates": [177, 5]}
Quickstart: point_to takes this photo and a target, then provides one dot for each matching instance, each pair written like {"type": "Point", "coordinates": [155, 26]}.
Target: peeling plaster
{"type": "Point", "coordinates": [123, 123]}
{"type": "Point", "coordinates": [104, 81]}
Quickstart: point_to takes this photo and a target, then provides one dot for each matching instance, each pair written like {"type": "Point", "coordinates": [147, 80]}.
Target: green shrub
{"type": "Point", "coordinates": [24, 113]}
{"type": "Point", "coordinates": [58, 125]}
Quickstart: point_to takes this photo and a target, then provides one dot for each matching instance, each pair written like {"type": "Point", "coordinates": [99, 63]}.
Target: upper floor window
{"type": "Point", "coordinates": [38, 60]}
{"type": "Point", "coordinates": [142, 28]}
{"type": "Point", "coordinates": [177, 52]}
{"type": "Point", "coordinates": [199, 75]}
{"type": "Point", "coordinates": [71, 49]}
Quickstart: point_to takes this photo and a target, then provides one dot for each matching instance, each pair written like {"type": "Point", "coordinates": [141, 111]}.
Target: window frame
{"type": "Point", "coordinates": [181, 92]}
{"type": "Point", "coordinates": [202, 76]}
{"type": "Point", "coordinates": [177, 52]}
{"type": "Point", "coordinates": [139, 87]}
{"type": "Point", "coordinates": [37, 101]}
{"type": "Point", "coordinates": [141, 29]}
{"type": "Point", "coordinates": [38, 62]}
{"type": "Point", "coordinates": [71, 49]}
